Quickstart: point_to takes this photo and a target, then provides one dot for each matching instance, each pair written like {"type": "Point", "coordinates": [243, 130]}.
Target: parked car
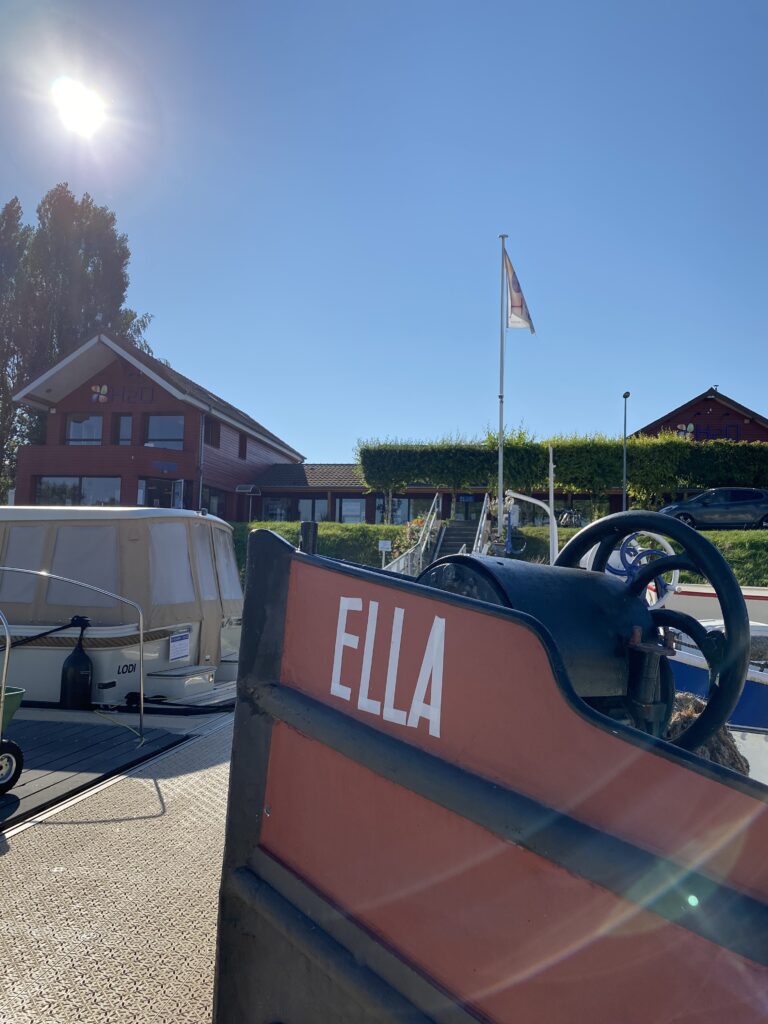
{"type": "Point", "coordinates": [723, 507]}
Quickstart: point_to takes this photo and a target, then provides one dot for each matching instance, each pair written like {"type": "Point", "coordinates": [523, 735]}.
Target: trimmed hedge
{"type": "Point", "coordinates": [352, 542]}
{"type": "Point", "coordinates": [583, 465]}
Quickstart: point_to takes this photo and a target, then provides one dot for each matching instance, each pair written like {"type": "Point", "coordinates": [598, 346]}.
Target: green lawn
{"type": "Point", "coordinates": [354, 542]}
{"type": "Point", "coordinates": [745, 550]}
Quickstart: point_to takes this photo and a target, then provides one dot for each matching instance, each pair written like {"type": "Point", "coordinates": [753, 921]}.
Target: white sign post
{"type": "Point", "coordinates": [385, 546]}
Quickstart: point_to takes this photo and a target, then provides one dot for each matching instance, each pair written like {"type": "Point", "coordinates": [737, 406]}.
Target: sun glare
{"type": "Point", "coordinates": [80, 109]}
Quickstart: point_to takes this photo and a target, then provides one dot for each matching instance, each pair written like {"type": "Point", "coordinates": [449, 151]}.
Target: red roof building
{"type": "Point", "coordinates": [125, 428]}
{"type": "Point", "coordinates": [711, 416]}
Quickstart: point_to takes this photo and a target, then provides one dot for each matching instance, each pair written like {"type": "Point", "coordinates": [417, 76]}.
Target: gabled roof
{"type": "Point", "coordinates": [81, 364]}
{"type": "Point", "coordinates": [712, 395]}
{"type": "Point", "coordinates": [309, 474]}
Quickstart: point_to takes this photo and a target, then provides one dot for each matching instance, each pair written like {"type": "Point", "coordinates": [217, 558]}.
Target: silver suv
{"type": "Point", "coordinates": [723, 507]}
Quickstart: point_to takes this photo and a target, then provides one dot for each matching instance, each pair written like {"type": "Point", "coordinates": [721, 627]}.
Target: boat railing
{"type": "Point", "coordinates": [411, 562]}
{"type": "Point", "coordinates": [96, 590]}
{"type": "Point", "coordinates": [553, 541]}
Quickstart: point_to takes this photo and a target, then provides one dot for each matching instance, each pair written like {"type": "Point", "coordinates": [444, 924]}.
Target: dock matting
{"type": "Point", "coordinates": [109, 905]}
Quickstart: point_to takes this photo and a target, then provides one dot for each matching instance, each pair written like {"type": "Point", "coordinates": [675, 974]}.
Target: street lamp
{"type": "Point", "coordinates": [624, 476]}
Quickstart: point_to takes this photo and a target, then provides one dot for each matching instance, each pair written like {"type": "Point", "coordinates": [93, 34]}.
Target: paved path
{"type": "Point", "coordinates": [108, 909]}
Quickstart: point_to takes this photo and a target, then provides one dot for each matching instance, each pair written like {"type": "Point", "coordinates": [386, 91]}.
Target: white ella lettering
{"type": "Point", "coordinates": [428, 694]}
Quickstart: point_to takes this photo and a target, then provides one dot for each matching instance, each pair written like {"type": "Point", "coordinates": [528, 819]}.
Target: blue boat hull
{"type": "Point", "coordinates": [752, 709]}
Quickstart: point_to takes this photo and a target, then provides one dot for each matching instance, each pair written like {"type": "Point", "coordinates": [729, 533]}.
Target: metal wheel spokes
{"type": "Point", "coordinates": [7, 766]}
{"type": "Point", "coordinates": [711, 643]}
{"type": "Point", "coordinates": [648, 573]}
{"type": "Point", "coordinates": [628, 557]}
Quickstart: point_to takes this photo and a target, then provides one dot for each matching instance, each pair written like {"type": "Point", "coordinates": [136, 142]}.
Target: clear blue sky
{"type": "Point", "coordinates": [313, 191]}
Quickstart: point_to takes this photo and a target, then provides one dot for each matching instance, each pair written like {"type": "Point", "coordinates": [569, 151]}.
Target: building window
{"type": "Point", "coordinates": [122, 430]}
{"type": "Point", "coordinates": [313, 510]}
{"type": "Point", "coordinates": [212, 432]}
{"type": "Point", "coordinates": [78, 490]}
{"type": "Point", "coordinates": [350, 510]}
{"type": "Point", "coordinates": [276, 509]}
{"type": "Point", "coordinates": [215, 501]}
{"type": "Point", "coordinates": [83, 429]}
{"type": "Point", "coordinates": [58, 490]}
{"type": "Point", "coordinates": [165, 432]}
{"type": "Point", "coordinates": [162, 492]}
{"type": "Point", "coordinates": [243, 448]}
{"type": "Point", "coordinates": [401, 510]}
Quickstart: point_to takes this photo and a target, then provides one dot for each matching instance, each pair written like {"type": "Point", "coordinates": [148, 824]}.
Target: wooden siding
{"type": "Point", "coordinates": [121, 389]}
{"type": "Point", "coordinates": [131, 464]}
{"type": "Point", "coordinates": [224, 469]}
{"type": "Point", "coordinates": [712, 420]}
{"type": "Point", "coordinates": [117, 390]}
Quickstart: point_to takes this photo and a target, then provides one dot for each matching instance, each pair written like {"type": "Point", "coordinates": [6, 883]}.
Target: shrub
{"type": "Point", "coordinates": [352, 542]}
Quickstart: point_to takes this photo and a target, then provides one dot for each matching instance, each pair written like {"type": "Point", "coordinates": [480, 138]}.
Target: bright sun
{"type": "Point", "coordinates": [80, 109]}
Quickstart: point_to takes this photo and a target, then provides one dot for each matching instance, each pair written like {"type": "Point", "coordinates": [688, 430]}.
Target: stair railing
{"type": "Point", "coordinates": [483, 533]}
{"type": "Point", "coordinates": [411, 562]}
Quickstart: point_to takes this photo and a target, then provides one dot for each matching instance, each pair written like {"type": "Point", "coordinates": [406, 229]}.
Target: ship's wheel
{"type": "Point", "coordinates": [727, 652]}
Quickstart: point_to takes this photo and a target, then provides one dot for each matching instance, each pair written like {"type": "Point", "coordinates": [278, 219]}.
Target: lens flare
{"type": "Point", "coordinates": [81, 110]}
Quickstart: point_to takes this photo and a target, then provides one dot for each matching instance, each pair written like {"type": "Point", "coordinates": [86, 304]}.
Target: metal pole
{"type": "Point", "coordinates": [552, 520]}
{"type": "Point", "coordinates": [500, 509]}
{"type": "Point", "coordinates": [624, 475]}
{"type": "Point", "coordinates": [308, 537]}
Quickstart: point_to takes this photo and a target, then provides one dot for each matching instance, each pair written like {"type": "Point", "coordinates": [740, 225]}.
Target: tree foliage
{"type": "Point", "coordinates": [61, 281]}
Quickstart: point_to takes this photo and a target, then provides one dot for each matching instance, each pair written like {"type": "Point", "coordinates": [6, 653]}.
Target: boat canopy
{"type": "Point", "coordinates": [177, 565]}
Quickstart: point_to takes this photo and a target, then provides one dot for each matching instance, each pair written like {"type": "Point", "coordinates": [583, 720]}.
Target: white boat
{"type": "Point", "coordinates": [700, 601]}
{"type": "Point", "coordinates": [178, 567]}
{"type": "Point", "coordinates": [692, 674]}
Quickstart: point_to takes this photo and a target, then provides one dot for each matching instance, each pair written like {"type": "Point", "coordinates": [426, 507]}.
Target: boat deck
{"type": "Point", "coordinates": [62, 757]}
{"type": "Point", "coordinates": [110, 900]}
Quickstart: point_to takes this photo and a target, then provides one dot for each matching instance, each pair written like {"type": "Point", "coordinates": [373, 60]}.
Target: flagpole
{"type": "Point", "coordinates": [500, 509]}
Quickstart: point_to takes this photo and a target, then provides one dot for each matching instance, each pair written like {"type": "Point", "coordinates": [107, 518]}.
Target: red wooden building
{"type": "Point", "coordinates": [711, 416]}
{"type": "Point", "coordinates": [125, 428]}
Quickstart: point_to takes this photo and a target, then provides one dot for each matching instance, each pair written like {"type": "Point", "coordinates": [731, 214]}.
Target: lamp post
{"type": "Point", "coordinates": [624, 475]}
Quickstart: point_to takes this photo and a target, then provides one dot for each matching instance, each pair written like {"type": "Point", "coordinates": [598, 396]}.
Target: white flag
{"type": "Point", "coordinates": [517, 311]}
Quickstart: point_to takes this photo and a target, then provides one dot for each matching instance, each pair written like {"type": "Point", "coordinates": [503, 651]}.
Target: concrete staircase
{"type": "Point", "coordinates": [457, 533]}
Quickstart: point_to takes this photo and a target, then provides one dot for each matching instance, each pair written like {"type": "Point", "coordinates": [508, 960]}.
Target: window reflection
{"type": "Point", "coordinates": [83, 429]}
{"type": "Point", "coordinates": [350, 510]}
{"type": "Point", "coordinates": [165, 432]}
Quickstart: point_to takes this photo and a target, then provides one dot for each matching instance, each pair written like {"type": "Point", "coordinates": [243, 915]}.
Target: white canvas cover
{"type": "Point", "coordinates": [157, 558]}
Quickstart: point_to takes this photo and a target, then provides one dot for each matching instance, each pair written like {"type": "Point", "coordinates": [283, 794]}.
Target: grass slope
{"type": "Point", "coordinates": [746, 551]}
{"type": "Point", "coordinates": [353, 542]}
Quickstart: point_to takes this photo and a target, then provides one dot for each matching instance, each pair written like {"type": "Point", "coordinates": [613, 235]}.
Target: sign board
{"type": "Point", "coordinates": [385, 545]}
{"type": "Point", "coordinates": [179, 646]}
{"type": "Point", "coordinates": [423, 710]}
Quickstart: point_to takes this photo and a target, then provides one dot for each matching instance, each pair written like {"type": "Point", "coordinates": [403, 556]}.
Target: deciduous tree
{"type": "Point", "coordinates": [61, 282]}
